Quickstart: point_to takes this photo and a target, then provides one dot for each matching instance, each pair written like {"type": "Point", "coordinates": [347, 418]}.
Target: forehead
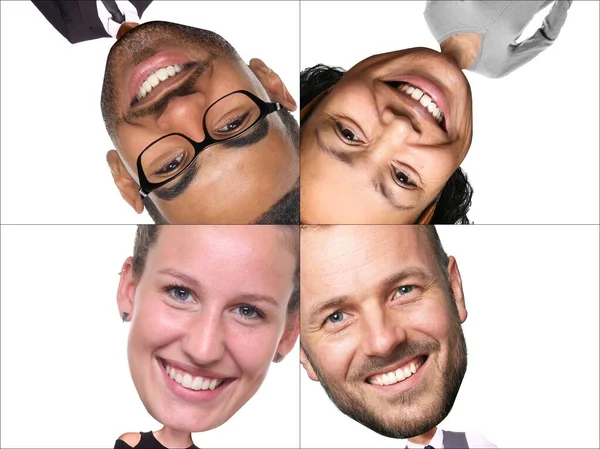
{"type": "Point", "coordinates": [252, 255]}
{"type": "Point", "coordinates": [338, 260]}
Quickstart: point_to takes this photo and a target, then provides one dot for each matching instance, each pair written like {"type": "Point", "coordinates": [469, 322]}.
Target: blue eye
{"type": "Point", "coordinates": [404, 290]}
{"type": "Point", "coordinates": [179, 294]}
{"type": "Point", "coordinates": [250, 313]}
{"type": "Point", "coordinates": [336, 317]}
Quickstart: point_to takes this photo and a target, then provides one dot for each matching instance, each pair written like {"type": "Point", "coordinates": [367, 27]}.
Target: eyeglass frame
{"type": "Point", "coordinates": [147, 187]}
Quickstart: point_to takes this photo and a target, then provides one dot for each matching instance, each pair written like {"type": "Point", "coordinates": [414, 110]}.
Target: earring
{"type": "Point", "coordinates": [278, 357]}
{"type": "Point", "coordinates": [124, 315]}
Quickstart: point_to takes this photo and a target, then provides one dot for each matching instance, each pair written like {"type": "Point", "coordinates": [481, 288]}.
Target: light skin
{"type": "Point", "coordinates": [367, 157]}
{"type": "Point", "coordinates": [232, 185]}
{"type": "Point", "coordinates": [373, 298]}
{"type": "Point", "coordinates": [212, 299]}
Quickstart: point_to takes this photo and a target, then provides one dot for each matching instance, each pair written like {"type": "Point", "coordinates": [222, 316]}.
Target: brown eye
{"type": "Point", "coordinates": [346, 134]}
{"type": "Point", "coordinates": [403, 179]}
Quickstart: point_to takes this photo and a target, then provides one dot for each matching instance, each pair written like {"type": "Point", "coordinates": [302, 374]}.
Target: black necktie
{"type": "Point", "coordinates": [114, 10]}
{"type": "Point", "coordinates": [429, 447]}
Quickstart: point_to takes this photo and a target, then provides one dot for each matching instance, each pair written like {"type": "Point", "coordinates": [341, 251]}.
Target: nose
{"type": "Point", "coordinates": [399, 130]}
{"type": "Point", "coordinates": [205, 341]}
{"type": "Point", "coordinates": [381, 332]}
{"type": "Point", "coordinates": [185, 115]}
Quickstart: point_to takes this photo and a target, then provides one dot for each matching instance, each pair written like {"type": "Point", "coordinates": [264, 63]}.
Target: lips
{"type": "Point", "coordinates": [431, 89]}
{"type": "Point", "coordinates": [151, 65]}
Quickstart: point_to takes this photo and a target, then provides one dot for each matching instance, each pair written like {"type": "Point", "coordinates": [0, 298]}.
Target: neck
{"type": "Point", "coordinates": [462, 49]}
{"type": "Point", "coordinates": [169, 437]}
{"type": "Point", "coordinates": [424, 438]}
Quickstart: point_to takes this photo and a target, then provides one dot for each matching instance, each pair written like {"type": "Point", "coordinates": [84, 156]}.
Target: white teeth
{"type": "Point", "coordinates": [417, 94]}
{"type": "Point", "coordinates": [187, 381]}
{"type": "Point", "coordinates": [395, 376]}
{"type": "Point", "coordinates": [194, 383]}
{"type": "Point", "coordinates": [399, 375]}
{"type": "Point", "coordinates": [197, 383]}
{"type": "Point", "coordinates": [157, 77]}
{"type": "Point", "coordinates": [153, 80]}
{"type": "Point", "coordinates": [425, 100]}
{"type": "Point", "coordinates": [162, 74]}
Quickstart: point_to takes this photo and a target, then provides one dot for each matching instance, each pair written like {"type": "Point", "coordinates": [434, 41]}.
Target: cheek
{"type": "Point", "coordinates": [436, 170]}
{"type": "Point", "coordinates": [153, 325]}
{"type": "Point", "coordinates": [340, 356]}
{"type": "Point", "coordinates": [252, 349]}
{"type": "Point", "coordinates": [433, 320]}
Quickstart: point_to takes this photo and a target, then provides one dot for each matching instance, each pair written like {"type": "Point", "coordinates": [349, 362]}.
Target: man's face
{"type": "Point", "coordinates": [233, 183]}
{"type": "Point", "coordinates": [381, 327]}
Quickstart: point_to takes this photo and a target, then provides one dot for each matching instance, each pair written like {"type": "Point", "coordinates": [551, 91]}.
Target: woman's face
{"type": "Point", "coordinates": [376, 149]}
{"type": "Point", "coordinates": [209, 310]}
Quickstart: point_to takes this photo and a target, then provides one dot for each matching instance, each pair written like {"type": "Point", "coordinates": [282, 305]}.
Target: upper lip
{"type": "Point", "coordinates": [395, 366]}
{"type": "Point", "coordinates": [195, 371]}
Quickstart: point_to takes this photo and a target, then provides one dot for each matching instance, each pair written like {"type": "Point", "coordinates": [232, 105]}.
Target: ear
{"type": "Point", "coordinates": [307, 365]}
{"type": "Point", "coordinates": [289, 337]}
{"type": "Point", "coordinates": [125, 183]}
{"type": "Point", "coordinates": [126, 291]}
{"type": "Point", "coordinates": [273, 84]}
{"type": "Point", "coordinates": [457, 288]}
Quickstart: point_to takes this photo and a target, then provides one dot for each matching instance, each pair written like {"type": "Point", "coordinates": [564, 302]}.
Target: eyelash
{"type": "Point", "coordinates": [341, 129]}
{"type": "Point", "coordinates": [172, 287]}
{"type": "Point", "coordinates": [410, 287]}
{"type": "Point", "coordinates": [257, 314]}
{"type": "Point", "coordinates": [408, 183]}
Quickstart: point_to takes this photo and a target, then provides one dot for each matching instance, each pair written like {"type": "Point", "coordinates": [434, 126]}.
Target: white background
{"type": "Point", "coordinates": [534, 156]}
{"type": "Point", "coordinates": [65, 378]}
{"type": "Point", "coordinates": [54, 144]}
{"type": "Point", "coordinates": [531, 294]}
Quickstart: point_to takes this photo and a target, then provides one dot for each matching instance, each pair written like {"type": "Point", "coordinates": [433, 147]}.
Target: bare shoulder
{"type": "Point", "coordinates": [131, 438]}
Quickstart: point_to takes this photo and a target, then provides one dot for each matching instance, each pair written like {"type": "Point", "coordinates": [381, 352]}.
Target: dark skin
{"type": "Point", "coordinates": [227, 184]}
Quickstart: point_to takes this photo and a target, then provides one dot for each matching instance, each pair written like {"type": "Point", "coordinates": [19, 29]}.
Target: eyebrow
{"type": "Point", "coordinates": [258, 133]}
{"type": "Point", "coordinates": [177, 274]}
{"type": "Point", "coordinates": [380, 188]}
{"type": "Point", "coordinates": [386, 193]}
{"type": "Point", "coordinates": [318, 309]}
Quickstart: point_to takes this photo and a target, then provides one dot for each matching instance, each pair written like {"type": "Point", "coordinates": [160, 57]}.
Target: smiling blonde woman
{"type": "Point", "coordinates": [210, 309]}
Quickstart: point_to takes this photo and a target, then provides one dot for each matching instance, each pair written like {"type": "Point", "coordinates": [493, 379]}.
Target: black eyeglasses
{"type": "Point", "coordinates": [169, 156]}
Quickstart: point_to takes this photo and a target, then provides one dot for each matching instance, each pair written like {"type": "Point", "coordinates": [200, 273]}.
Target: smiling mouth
{"type": "Point", "coordinates": [190, 381]}
{"type": "Point", "coordinates": [159, 78]}
{"type": "Point", "coordinates": [424, 100]}
{"type": "Point", "coordinates": [398, 375]}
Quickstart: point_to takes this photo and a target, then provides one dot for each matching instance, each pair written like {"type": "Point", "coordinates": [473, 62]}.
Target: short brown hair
{"type": "Point", "coordinates": [147, 235]}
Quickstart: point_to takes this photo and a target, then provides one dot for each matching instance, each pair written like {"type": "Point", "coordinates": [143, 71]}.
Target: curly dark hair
{"type": "Point", "coordinates": [455, 199]}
